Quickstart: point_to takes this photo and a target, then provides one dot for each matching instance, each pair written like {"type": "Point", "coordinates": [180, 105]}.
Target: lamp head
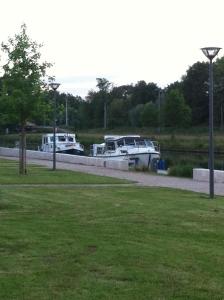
{"type": "Point", "coordinates": [210, 52]}
{"type": "Point", "coordinates": [54, 85]}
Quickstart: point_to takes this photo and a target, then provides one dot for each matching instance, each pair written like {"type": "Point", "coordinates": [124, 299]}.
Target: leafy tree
{"type": "Point", "coordinates": [23, 83]}
{"type": "Point", "coordinates": [150, 115]}
{"type": "Point", "coordinates": [122, 92]}
{"type": "Point", "coordinates": [143, 93]}
{"type": "Point", "coordinates": [104, 86]}
{"type": "Point", "coordinates": [195, 89]}
{"type": "Point", "coordinates": [176, 112]}
{"type": "Point", "coordinates": [118, 114]}
{"type": "Point", "coordinates": [96, 108]}
{"type": "Point", "coordinates": [135, 115]}
{"type": "Point", "coordinates": [219, 92]}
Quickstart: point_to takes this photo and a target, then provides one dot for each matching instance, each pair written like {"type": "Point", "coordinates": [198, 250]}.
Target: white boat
{"type": "Point", "coordinates": [139, 151]}
{"type": "Point", "coordinates": [65, 143]}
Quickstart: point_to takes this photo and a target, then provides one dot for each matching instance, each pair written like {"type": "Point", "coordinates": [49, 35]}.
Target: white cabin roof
{"type": "Point", "coordinates": [59, 134]}
{"type": "Point", "coordinates": [116, 137]}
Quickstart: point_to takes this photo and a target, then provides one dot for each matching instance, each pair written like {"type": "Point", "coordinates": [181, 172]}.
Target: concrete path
{"type": "Point", "coordinates": [140, 178]}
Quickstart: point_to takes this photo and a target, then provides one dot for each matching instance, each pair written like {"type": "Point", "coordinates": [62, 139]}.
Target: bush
{"type": "Point", "coordinates": [182, 170]}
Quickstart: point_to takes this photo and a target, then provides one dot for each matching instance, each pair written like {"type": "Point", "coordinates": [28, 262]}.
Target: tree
{"type": "Point", "coordinates": [176, 112]}
{"type": "Point", "coordinates": [195, 87]}
{"type": "Point", "coordinates": [23, 83]}
{"type": "Point", "coordinates": [135, 115]}
{"type": "Point", "coordinates": [150, 115]}
{"type": "Point", "coordinates": [118, 114]}
{"type": "Point", "coordinates": [95, 108]}
{"type": "Point", "coordinates": [104, 86]}
{"type": "Point", "coordinates": [219, 92]}
{"type": "Point", "coordinates": [143, 93]}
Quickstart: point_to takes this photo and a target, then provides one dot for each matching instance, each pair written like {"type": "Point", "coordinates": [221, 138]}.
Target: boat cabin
{"type": "Point", "coordinates": [61, 139]}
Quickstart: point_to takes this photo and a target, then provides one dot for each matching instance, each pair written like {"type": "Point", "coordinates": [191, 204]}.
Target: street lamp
{"type": "Point", "coordinates": [66, 111]}
{"type": "Point", "coordinates": [54, 87]}
{"type": "Point", "coordinates": [210, 53]}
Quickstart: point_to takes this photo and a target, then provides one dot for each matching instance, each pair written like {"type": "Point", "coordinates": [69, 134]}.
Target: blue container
{"type": "Point", "coordinates": [161, 164]}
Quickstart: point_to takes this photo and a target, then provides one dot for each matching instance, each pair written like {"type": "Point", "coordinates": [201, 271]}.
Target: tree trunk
{"type": "Point", "coordinates": [22, 151]}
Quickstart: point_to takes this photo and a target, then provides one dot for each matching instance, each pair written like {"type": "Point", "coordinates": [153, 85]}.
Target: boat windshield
{"type": "Point", "coordinates": [61, 138]}
{"type": "Point", "coordinates": [110, 145]}
{"type": "Point", "coordinates": [130, 141]}
{"type": "Point", "coordinates": [140, 142]}
{"type": "Point", "coordinates": [70, 139]}
{"type": "Point", "coordinates": [149, 143]}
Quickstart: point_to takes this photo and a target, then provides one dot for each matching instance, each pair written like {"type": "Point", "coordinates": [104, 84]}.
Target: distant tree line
{"type": "Point", "coordinates": [181, 104]}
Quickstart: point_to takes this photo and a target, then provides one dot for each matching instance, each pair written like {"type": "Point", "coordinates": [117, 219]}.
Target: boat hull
{"type": "Point", "coordinates": [137, 160]}
{"type": "Point", "coordinates": [71, 152]}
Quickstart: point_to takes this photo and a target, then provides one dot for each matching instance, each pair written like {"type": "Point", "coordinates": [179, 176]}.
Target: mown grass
{"type": "Point", "coordinates": [41, 175]}
{"type": "Point", "coordinates": [110, 243]}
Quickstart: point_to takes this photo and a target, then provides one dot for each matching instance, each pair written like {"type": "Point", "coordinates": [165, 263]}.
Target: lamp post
{"type": "Point", "coordinates": [210, 53]}
{"type": "Point", "coordinates": [54, 87]}
{"type": "Point", "coordinates": [66, 111]}
{"type": "Point", "coordinates": [105, 114]}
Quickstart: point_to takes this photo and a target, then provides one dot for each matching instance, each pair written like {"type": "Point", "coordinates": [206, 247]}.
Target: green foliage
{"type": "Point", "coordinates": [22, 84]}
{"type": "Point", "coordinates": [181, 170]}
{"type": "Point", "coordinates": [118, 113]}
{"type": "Point", "coordinates": [143, 93]}
{"type": "Point", "coordinates": [176, 112]}
{"type": "Point", "coordinates": [23, 78]}
{"type": "Point", "coordinates": [149, 116]}
{"type": "Point", "coordinates": [135, 115]}
{"type": "Point", "coordinates": [103, 84]}
{"type": "Point", "coordinates": [195, 91]}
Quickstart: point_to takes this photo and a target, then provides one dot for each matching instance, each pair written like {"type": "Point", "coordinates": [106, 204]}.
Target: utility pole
{"type": "Point", "coordinates": [105, 114]}
{"type": "Point", "coordinates": [66, 111]}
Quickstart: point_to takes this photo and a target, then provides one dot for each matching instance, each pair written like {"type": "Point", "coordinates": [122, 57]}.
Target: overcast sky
{"type": "Point", "coordinates": [122, 40]}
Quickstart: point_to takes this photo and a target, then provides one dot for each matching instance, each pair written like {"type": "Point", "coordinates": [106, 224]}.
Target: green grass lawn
{"type": "Point", "coordinates": [110, 243]}
{"type": "Point", "coordinates": [41, 175]}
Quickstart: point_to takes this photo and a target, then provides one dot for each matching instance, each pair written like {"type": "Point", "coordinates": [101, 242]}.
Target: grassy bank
{"type": "Point", "coordinates": [42, 175]}
{"type": "Point", "coordinates": [109, 242]}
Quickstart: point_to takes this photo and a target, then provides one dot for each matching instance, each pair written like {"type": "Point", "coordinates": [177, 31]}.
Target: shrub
{"type": "Point", "coordinates": [182, 170]}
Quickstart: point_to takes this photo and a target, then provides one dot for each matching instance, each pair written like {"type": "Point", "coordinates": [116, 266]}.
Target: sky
{"type": "Point", "coordinates": [123, 41]}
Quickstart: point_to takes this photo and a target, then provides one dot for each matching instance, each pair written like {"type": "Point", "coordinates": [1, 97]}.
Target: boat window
{"type": "Point", "coordinates": [110, 146]}
{"type": "Point", "coordinates": [70, 139]}
{"type": "Point", "coordinates": [100, 150]}
{"type": "Point", "coordinates": [61, 138]}
{"type": "Point", "coordinates": [120, 143]}
{"type": "Point", "coordinates": [149, 143]}
{"type": "Point", "coordinates": [129, 141]}
{"type": "Point", "coordinates": [140, 142]}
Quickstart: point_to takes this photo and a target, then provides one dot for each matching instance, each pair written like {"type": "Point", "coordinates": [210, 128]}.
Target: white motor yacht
{"type": "Point", "coordinates": [65, 143]}
{"type": "Point", "coordinates": [139, 151]}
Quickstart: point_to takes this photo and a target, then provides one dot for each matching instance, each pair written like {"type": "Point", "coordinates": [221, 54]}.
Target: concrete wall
{"type": "Point", "coordinates": [203, 175]}
{"type": "Point", "coordinates": [73, 159]}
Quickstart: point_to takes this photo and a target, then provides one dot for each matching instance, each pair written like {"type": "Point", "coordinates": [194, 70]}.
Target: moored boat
{"type": "Point", "coordinates": [139, 151]}
{"type": "Point", "coordinates": [65, 143]}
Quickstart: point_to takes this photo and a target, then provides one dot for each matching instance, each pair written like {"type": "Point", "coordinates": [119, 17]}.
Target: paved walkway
{"type": "Point", "coordinates": [140, 178]}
